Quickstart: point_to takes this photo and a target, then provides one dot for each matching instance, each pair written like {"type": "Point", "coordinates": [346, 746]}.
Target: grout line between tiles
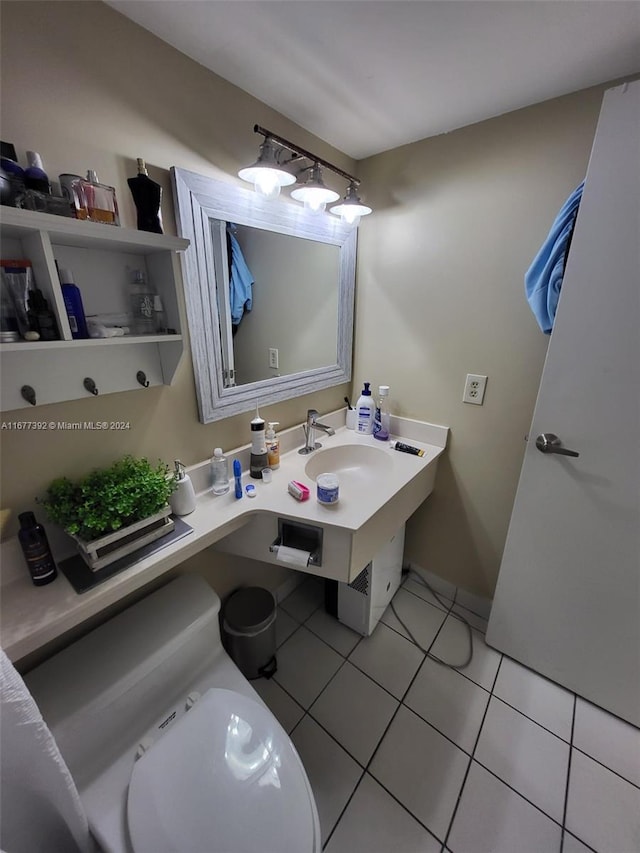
{"type": "Point", "coordinates": [566, 787]}
{"type": "Point", "coordinates": [475, 746]}
{"type": "Point", "coordinates": [606, 767]}
{"type": "Point", "coordinates": [588, 846]}
{"type": "Point", "coordinates": [519, 793]}
{"type": "Point", "coordinates": [531, 720]}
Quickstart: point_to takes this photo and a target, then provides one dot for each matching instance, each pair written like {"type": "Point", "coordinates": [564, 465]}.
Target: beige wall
{"type": "Point", "coordinates": [87, 88]}
{"type": "Point", "coordinates": [458, 219]}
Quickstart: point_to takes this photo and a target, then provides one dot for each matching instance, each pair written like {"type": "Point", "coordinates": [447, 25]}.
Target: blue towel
{"type": "Point", "coordinates": [543, 279]}
{"type": "Point", "coordinates": [241, 282]}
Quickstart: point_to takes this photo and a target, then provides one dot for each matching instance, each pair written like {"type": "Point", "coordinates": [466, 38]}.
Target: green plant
{"type": "Point", "coordinates": [109, 498]}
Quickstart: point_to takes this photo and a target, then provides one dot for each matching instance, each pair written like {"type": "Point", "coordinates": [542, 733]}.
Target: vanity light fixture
{"type": "Point", "coordinates": [282, 163]}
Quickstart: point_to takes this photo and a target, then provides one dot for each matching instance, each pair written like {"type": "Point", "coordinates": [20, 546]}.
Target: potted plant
{"type": "Point", "coordinates": [113, 511]}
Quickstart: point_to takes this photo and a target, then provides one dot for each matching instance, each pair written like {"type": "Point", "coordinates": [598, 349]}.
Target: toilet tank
{"type": "Point", "coordinates": [99, 695]}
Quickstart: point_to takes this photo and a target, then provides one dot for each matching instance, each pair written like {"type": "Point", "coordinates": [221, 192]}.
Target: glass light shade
{"type": "Point", "coordinates": [351, 207]}
{"type": "Point", "coordinates": [314, 193]}
{"type": "Point", "coordinates": [267, 174]}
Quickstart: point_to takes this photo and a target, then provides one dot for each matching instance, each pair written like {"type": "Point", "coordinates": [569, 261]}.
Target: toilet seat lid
{"type": "Point", "coordinates": [224, 778]}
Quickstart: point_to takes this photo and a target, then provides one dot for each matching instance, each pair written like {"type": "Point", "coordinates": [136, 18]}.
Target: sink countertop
{"type": "Point", "coordinates": [33, 616]}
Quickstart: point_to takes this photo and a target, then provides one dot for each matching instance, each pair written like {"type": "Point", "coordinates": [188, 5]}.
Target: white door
{"type": "Point", "coordinates": [567, 603]}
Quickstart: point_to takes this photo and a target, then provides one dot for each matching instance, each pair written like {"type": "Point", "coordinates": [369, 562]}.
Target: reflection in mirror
{"type": "Point", "coordinates": [269, 290]}
{"type": "Point", "coordinates": [273, 278]}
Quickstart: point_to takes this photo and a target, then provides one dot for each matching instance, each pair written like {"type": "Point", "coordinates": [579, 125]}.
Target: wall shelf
{"type": "Point", "coordinates": [102, 258]}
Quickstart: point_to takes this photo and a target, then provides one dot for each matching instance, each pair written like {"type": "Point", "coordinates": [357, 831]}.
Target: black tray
{"type": "Point", "coordinates": [81, 578]}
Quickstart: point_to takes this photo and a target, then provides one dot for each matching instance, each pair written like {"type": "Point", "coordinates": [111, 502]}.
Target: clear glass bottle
{"type": "Point", "coordinates": [219, 473]}
{"type": "Point", "coordinates": [100, 200]}
{"type": "Point", "coordinates": [142, 299]}
{"type": "Point", "coordinates": [382, 416]}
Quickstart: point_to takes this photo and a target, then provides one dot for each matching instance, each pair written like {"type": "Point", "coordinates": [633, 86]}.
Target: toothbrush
{"type": "Point", "coordinates": [348, 402]}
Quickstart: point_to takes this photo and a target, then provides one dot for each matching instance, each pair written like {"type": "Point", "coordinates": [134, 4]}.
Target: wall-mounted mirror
{"type": "Point", "coordinates": [269, 291]}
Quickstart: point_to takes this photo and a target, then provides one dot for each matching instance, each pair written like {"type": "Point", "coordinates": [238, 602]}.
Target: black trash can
{"type": "Point", "coordinates": [249, 631]}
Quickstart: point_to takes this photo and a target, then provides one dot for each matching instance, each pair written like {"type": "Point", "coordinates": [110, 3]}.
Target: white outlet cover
{"type": "Point", "coordinates": [474, 388]}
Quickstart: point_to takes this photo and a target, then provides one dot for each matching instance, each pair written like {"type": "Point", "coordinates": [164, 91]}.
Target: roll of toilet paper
{"type": "Point", "coordinates": [292, 556]}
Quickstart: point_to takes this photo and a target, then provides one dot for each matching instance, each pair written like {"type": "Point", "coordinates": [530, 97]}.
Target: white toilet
{"type": "Point", "coordinates": [170, 747]}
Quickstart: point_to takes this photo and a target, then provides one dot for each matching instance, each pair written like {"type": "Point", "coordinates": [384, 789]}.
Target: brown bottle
{"type": "Point", "coordinates": [36, 550]}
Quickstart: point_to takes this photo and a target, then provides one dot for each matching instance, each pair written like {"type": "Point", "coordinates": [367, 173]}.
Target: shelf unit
{"type": "Point", "coordinates": [102, 259]}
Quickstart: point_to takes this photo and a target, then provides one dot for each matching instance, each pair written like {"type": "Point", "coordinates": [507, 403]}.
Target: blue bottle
{"type": "Point", "coordinates": [73, 305]}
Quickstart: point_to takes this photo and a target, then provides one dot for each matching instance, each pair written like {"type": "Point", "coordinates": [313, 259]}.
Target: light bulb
{"type": "Point", "coordinates": [267, 183]}
{"type": "Point", "coordinates": [350, 215]}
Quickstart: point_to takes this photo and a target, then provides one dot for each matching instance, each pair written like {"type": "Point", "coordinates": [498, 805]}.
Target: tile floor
{"type": "Point", "coordinates": [407, 756]}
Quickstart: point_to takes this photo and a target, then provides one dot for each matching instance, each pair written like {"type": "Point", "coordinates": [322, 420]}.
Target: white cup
{"type": "Point", "coordinates": [351, 418]}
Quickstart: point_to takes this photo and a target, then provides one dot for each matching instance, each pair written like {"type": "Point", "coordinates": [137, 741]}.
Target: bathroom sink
{"type": "Point", "coordinates": [354, 464]}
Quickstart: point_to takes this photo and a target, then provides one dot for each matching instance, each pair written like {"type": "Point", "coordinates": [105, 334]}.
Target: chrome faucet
{"type": "Point", "coordinates": [309, 432]}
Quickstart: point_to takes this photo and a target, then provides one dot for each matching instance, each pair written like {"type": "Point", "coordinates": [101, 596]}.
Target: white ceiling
{"type": "Point", "coordinates": [369, 75]}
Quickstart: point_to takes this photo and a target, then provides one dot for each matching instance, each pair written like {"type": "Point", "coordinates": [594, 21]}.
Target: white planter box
{"type": "Point", "coordinates": [101, 552]}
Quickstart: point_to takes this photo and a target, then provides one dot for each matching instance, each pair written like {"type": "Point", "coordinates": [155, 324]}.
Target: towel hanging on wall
{"type": "Point", "coordinates": [543, 279]}
{"type": "Point", "coordinates": [40, 807]}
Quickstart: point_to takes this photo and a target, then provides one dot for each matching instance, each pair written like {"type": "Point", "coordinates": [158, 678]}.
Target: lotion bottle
{"type": "Point", "coordinates": [183, 500]}
{"type": "Point", "coordinates": [273, 445]}
{"type": "Point", "coordinates": [365, 409]}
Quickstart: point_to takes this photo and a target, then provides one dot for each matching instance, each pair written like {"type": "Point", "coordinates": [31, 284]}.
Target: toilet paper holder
{"type": "Point", "coordinates": [303, 537]}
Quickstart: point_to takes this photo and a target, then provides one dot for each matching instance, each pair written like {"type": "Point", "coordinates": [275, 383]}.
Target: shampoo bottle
{"type": "Point", "coordinates": [73, 305]}
{"type": "Point", "coordinates": [381, 421]}
{"type": "Point", "coordinates": [219, 473]}
{"type": "Point", "coordinates": [259, 458]}
{"type": "Point", "coordinates": [365, 409]}
{"type": "Point", "coordinates": [36, 550]}
{"type": "Point", "coordinates": [273, 445]}
{"type": "Point", "coordinates": [183, 500]}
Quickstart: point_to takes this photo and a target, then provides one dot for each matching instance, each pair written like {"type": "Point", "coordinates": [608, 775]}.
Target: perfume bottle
{"type": "Point", "coordinates": [142, 300]}
{"type": "Point", "coordinates": [147, 195]}
{"type": "Point", "coordinates": [72, 187]}
{"type": "Point", "coordinates": [100, 200]}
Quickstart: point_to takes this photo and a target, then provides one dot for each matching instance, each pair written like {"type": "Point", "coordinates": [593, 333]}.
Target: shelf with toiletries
{"type": "Point", "coordinates": [104, 260]}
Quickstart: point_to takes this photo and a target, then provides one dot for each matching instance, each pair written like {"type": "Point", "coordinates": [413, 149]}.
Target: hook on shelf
{"type": "Point", "coordinates": [90, 385]}
{"type": "Point", "coordinates": [28, 394]}
{"type": "Point", "coordinates": [141, 376]}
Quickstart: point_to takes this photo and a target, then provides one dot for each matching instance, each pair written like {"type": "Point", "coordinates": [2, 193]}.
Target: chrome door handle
{"type": "Point", "coordinates": [547, 442]}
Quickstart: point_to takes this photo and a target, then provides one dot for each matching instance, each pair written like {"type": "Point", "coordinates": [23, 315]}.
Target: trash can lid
{"type": "Point", "coordinates": [249, 609]}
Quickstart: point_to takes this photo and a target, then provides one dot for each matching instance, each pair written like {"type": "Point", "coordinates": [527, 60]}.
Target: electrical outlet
{"type": "Point", "coordinates": [474, 388]}
{"type": "Point", "coordinates": [273, 357]}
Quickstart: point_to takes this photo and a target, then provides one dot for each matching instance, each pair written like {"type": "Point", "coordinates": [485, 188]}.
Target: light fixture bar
{"type": "Point", "coordinates": [304, 153]}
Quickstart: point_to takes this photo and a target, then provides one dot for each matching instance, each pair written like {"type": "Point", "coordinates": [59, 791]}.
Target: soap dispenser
{"type": "Point", "coordinates": [183, 500]}
{"type": "Point", "coordinates": [273, 445]}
